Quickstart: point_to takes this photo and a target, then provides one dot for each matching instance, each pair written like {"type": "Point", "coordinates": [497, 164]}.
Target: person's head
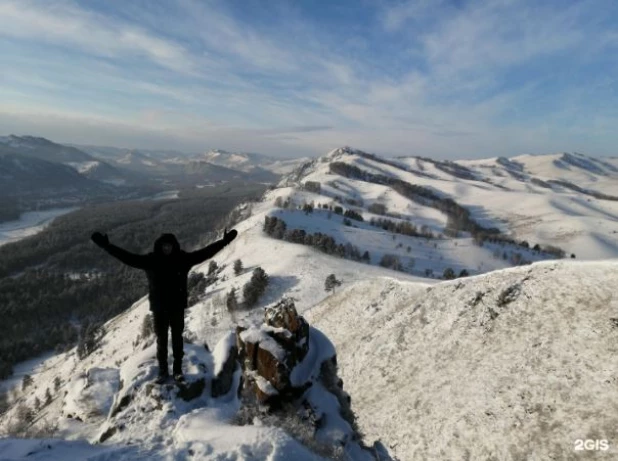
{"type": "Point", "coordinates": [167, 249]}
{"type": "Point", "coordinates": [167, 245]}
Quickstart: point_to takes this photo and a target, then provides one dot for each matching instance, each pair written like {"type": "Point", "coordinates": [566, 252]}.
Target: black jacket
{"type": "Point", "coordinates": [167, 274]}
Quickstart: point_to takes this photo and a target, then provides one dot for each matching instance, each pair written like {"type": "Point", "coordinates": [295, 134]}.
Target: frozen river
{"type": "Point", "coordinates": [29, 223]}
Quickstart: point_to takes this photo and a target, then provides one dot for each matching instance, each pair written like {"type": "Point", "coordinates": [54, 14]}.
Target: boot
{"type": "Point", "coordinates": [164, 373]}
{"type": "Point", "coordinates": [162, 378]}
{"type": "Point", "coordinates": [178, 376]}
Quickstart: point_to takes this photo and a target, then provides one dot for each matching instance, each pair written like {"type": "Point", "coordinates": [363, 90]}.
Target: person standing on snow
{"type": "Point", "coordinates": [167, 268]}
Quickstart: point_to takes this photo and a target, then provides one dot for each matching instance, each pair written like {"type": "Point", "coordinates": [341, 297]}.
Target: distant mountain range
{"type": "Point", "coordinates": [37, 172]}
{"type": "Point", "coordinates": [165, 162]}
{"type": "Point", "coordinates": [23, 176]}
{"type": "Point", "coordinates": [85, 164]}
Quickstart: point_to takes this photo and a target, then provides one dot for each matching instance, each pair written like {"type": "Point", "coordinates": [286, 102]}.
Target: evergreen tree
{"type": "Point", "coordinates": [212, 267]}
{"type": "Point", "coordinates": [449, 274]}
{"type": "Point", "coordinates": [279, 229]}
{"type": "Point", "coordinates": [24, 415]}
{"type": "Point", "coordinates": [89, 339]}
{"type": "Point", "coordinates": [25, 382]}
{"type": "Point", "coordinates": [147, 326]}
{"type": "Point", "coordinates": [37, 404]}
{"type": "Point", "coordinates": [331, 283]}
{"type": "Point", "coordinates": [57, 383]}
{"type": "Point", "coordinates": [4, 403]}
{"type": "Point", "coordinates": [391, 261]}
{"type": "Point", "coordinates": [411, 264]}
{"type": "Point", "coordinates": [48, 396]}
{"type": "Point", "coordinates": [255, 287]}
{"type": "Point", "coordinates": [231, 302]}
{"type": "Point", "coordinates": [237, 267]}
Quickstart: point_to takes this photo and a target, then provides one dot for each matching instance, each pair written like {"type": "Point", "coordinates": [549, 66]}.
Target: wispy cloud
{"type": "Point", "coordinates": [443, 77]}
{"type": "Point", "coordinates": [69, 25]}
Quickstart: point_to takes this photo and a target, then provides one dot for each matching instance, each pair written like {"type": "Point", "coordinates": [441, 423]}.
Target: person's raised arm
{"type": "Point", "coordinates": [199, 256]}
{"type": "Point", "coordinates": [130, 259]}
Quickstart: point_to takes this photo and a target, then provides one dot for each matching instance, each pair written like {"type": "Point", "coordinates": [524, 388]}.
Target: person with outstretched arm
{"type": "Point", "coordinates": [167, 268]}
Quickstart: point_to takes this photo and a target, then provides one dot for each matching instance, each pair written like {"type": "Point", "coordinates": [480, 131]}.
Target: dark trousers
{"type": "Point", "coordinates": [163, 321]}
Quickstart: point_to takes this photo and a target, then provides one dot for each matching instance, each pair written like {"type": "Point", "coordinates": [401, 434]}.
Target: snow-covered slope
{"type": "Point", "coordinates": [248, 162]}
{"type": "Point", "coordinates": [565, 200]}
{"type": "Point", "coordinates": [107, 405]}
{"type": "Point", "coordinates": [568, 199]}
{"type": "Point", "coordinates": [515, 364]}
{"type": "Point", "coordinates": [427, 250]}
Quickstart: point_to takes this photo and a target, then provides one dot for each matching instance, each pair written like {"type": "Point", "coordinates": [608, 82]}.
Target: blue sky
{"type": "Point", "coordinates": [443, 78]}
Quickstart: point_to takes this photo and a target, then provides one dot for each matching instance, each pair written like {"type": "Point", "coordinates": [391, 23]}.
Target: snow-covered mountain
{"type": "Point", "coordinates": [565, 200]}
{"type": "Point", "coordinates": [26, 180]}
{"type": "Point", "coordinates": [249, 162]}
{"type": "Point", "coordinates": [505, 364]}
{"type": "Point", "coordinates": [138, 161]}
{"type": "Point", "coordinates": [214, 164]}
{"type": "Point", "coordinates": [114, 154]}
{"type": "Point", "coordinates": [43, 149]}
{"type": "Point", "coordinates": [201, 170]}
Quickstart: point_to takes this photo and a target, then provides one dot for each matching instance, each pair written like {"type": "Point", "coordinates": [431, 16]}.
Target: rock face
{"type": "Point", "coordinates": [270, 353]}
{"type": "Point", "coordinates": [223, 381]}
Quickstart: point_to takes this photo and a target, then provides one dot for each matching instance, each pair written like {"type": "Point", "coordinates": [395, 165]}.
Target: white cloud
{"type": "Point", "coordinates": [66, 24]}
{"type": "Point", "coordinates": [220, 79]}
{"type": "Point", "coordinates": [394, 17]}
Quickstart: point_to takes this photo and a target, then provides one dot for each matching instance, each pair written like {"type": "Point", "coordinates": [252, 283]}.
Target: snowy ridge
{"type": "Point", "coordinates": [566, 200]}
{"type": "Point", "coordinates": [515, 364]}
{"type": "Point", "coordinates": [110, 400]}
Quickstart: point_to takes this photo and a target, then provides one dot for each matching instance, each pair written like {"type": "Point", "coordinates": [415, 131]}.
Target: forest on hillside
{"type": "Point", "coordinates": [57, 286]}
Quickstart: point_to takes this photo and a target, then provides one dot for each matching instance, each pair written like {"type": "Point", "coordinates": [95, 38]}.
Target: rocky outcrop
{"type": "Point", "coordinates": [224, 379]}
{"type": "Point", "coordinates": [270, 353]}
{"type": "Point", "coordinates": [290, 380]}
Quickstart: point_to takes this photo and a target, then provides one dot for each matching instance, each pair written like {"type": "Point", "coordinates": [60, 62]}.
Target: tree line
{"type": "Point", "coordinates": [277, 228]}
